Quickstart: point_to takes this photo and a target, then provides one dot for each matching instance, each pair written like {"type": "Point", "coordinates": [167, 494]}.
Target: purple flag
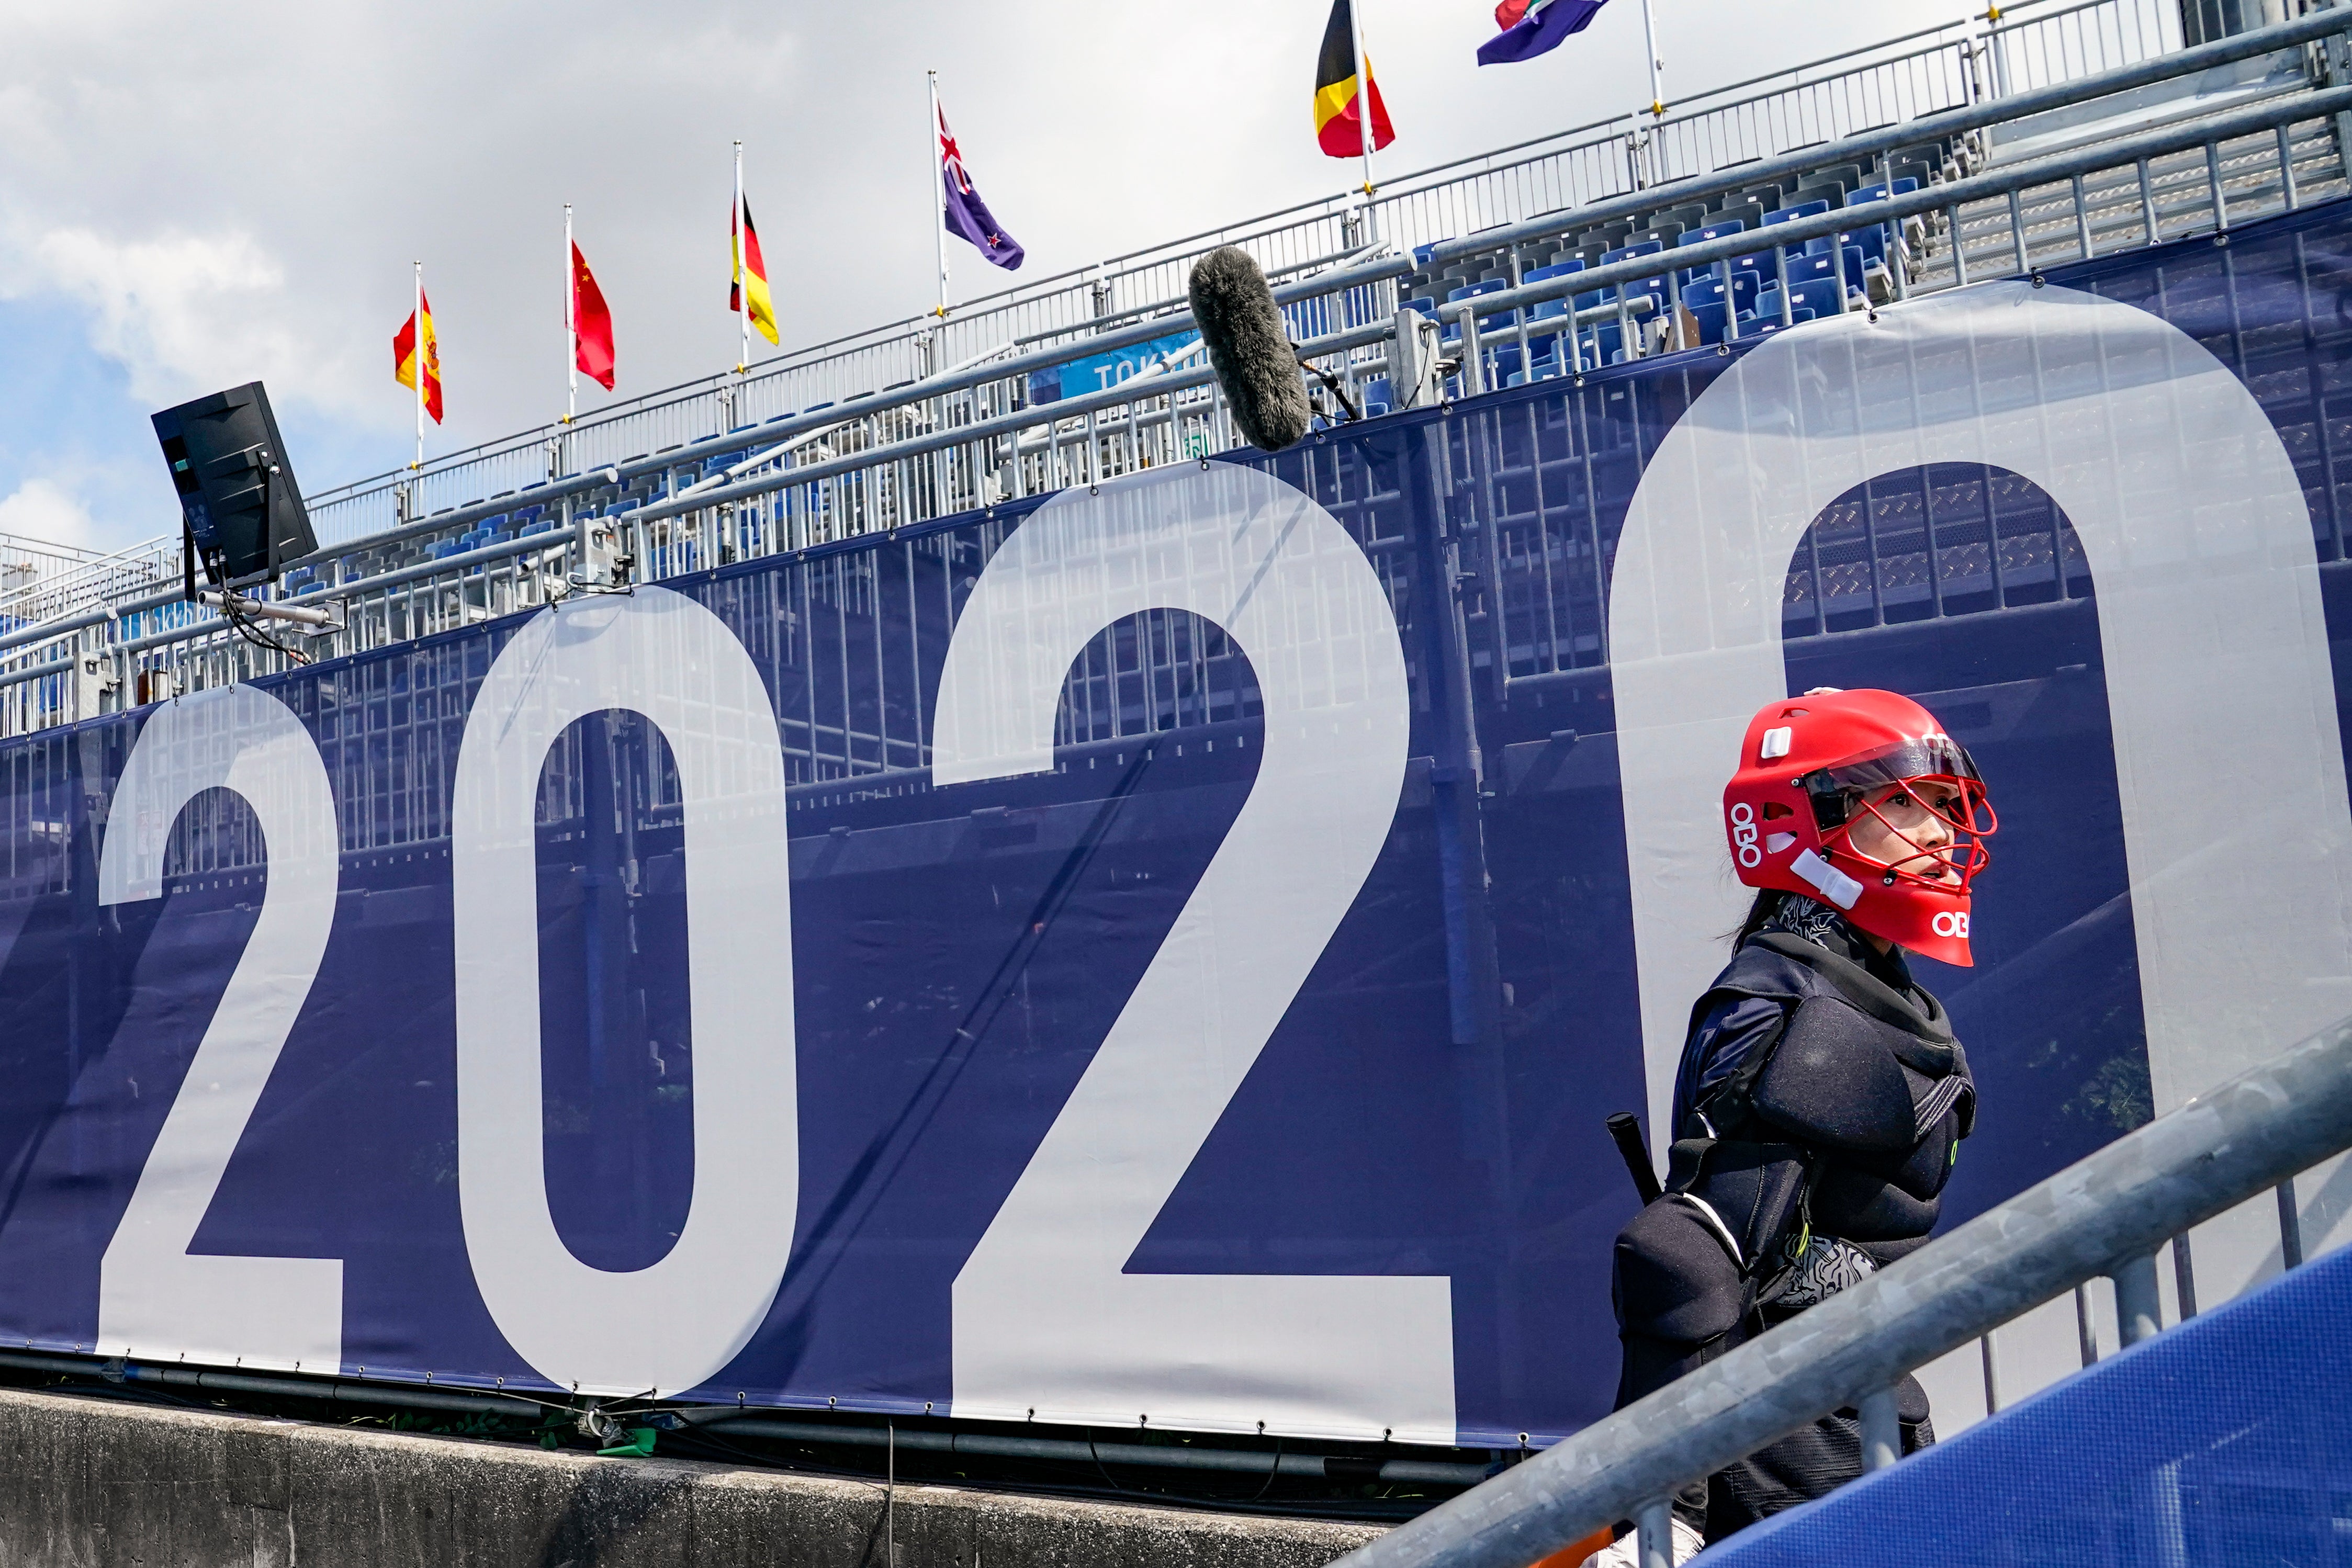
{"type": "Point", "coordinates": [1540, 28]}
{"type": "Point", "coordinates": [966, 213]}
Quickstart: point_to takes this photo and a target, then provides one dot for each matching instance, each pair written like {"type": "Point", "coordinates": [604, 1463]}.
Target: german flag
{"type": "Point", "coordinates": [751, 271]}
{"type": "Point", "coordinates": [404, 356]}
{"type": "Point", "coordinates": [1338, 104]}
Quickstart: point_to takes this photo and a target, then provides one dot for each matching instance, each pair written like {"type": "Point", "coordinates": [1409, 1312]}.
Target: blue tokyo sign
{"type": "Point", "coordinates": [1164, 954]}
{"type": "Point", "coordinates": [1098, 372]}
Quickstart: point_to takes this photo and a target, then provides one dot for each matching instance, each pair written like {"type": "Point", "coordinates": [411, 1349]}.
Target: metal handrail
{"type": "Point", "coordinates": [1418, 181]}
{"type": "Point", "coordinates": [2224, 51]}
{"type": "Point", "coordinates": [1869, 144]}
{"type": "Point", "coordinates": [2015, 177]}
{"type": "Point", "coordinates": [2105, 1215]}
{"type": "Point", "coordinates": [1397, 196]}
{"type": "Point", "coordinates": [2244, 45]}
{"type": "Point", "coordinates": [2267, 114]}
{"type": "Point", "coordinates": [966, 412]}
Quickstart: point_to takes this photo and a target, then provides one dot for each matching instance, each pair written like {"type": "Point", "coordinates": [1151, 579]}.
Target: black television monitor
{"type": "Point", "coordinates": [237, 488]}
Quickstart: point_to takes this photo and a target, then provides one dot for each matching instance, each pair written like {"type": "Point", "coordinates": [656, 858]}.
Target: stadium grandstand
{"type": "Point", "coordinates": [1973, 150]}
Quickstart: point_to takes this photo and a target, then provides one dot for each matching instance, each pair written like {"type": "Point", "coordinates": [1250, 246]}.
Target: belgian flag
{"type": "Point", "coordinates": [1338, 103]}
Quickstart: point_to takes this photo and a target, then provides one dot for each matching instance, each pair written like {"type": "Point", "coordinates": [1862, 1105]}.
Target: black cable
{"type": "Point", "coordinates": [233, 611]}
{"type": "Point", "coordinates": [1332, 383]}
{"type": "Point", "coordinates": [1272, 1470]}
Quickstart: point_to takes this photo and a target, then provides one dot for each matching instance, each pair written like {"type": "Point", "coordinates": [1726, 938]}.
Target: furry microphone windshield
{"type": "Point", "coordinates": [1248, 349]}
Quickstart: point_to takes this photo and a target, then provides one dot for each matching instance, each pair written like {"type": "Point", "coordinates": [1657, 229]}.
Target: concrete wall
{"type": "Point", "coordinates": [86, 1481]}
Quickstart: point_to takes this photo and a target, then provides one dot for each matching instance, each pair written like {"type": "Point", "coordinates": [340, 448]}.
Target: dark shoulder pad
{"type": "Point", "coordinates": [1835, 1082]}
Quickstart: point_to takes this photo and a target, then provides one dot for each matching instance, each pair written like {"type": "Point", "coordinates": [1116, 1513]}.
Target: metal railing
{"type": "Point", "coordinates": [974, 437]}
{"type": "Point", "coordinates": [1936, 68]}
{"type": "Point", "coordinates": [2106, 1216]}
{"type": "Point", "coordinates": [40, 582]}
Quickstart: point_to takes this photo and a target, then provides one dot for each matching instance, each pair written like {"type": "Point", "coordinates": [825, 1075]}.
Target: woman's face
{"type": "Point", "coordinates": [1920, 811]}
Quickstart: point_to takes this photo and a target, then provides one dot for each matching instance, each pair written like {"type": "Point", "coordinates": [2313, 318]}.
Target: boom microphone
{"type": "Point", "coordinates": [1248, 349]}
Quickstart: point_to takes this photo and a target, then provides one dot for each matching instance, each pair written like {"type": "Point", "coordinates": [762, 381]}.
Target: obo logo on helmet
{"type": "Point", "coordinates": [1743, 835]}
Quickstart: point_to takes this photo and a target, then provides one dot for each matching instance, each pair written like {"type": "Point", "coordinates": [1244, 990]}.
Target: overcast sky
{"type": "Point", "coordinates": [195, 196]}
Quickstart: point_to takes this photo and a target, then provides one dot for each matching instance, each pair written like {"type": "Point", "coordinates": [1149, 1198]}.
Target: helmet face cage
{"type": "Point", "coordinates": [1970, 822]}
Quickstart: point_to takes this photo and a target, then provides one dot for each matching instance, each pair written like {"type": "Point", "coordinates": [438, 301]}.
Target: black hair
{"type": "Point", "coordinates": [1766, 904]}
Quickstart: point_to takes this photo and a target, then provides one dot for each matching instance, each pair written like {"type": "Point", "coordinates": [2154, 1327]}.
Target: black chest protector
{"type": "Point", "coordinates": [1862, 1088]}
{"type": "Point", "coordinates": [1845, 1122]}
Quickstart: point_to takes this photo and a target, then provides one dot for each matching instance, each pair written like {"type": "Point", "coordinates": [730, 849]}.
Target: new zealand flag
{"type": "Point", "coordinates": [966, 213]}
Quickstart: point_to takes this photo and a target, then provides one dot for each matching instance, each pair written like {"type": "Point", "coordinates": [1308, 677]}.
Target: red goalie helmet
{"type": "Point", "coordinates": [1814, 770]}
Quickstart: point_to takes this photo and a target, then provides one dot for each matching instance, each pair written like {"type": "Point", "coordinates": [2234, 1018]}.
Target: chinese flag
{"type": "Point", "coordinates": [403, 358]}
{"type": "Point", "coordinates": [591, 324]}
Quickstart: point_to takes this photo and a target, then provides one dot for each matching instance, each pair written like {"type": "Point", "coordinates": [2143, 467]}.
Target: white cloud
{"type": "Point", "coordinates": [41, 509]}
{"type": "Point", "coordinates": [182, 313]}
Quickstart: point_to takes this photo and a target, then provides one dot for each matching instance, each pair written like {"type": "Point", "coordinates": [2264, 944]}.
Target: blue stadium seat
{"type": "Point", "coordinates": [1804, 268]}
{"type": "Point", "coordinates": [1790, 214]}
{"type": "Point", "coordinates": [1653, 287]}
{"type": "Point", "coordinates": [1706, 288]}
{"type": "Point", "coordinates": [1814, 289]}
{"type": "Point", "coordinates": [1821, 296]}
{"type": "Point", "coordinates": [1761, 323]}
{"type": "Point", "coordinates": [1712, 231]}
{"type": "Point", "coordinates": [1902, 187]}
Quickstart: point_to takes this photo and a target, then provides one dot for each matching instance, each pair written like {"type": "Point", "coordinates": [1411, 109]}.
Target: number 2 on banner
{"type": "Point", "coordinates": [1046, 1319]}
{"type": "Point", "coordinates": [154, 1296]}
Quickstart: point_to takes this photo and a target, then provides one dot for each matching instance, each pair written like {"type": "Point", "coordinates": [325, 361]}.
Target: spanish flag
{"type": "Point", "coordinates": [403, 357]}
{"type": "Point", "coordinates": [747, 260]}
{"type": "Point", "coordinates": [1337, 102]}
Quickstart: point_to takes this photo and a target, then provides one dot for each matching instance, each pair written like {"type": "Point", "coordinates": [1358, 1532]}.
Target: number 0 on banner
{"type": "Point", "coordinates": [661, 654]}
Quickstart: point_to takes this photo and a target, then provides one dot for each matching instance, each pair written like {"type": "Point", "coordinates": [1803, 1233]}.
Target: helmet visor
{"type": "Point", "coordinates": [1928, 757]}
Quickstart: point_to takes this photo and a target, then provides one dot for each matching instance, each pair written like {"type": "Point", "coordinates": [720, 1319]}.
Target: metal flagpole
{"type": "Point", "coordinates": [742, 272]}
{"type": "Point", "coordinates": [1649, 39]}
{"type": "Point", "coordinates": [1364, 89]}
{"type": "Point", "coordinates": [417, 320]}
{"type": "Point", "coordinates": [571, 323]}
{"type": "Point", "coordinates": [939, 194]}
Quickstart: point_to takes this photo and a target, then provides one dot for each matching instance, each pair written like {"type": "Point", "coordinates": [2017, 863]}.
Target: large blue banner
{"type": "Point", "coordinates": [1163, 954]}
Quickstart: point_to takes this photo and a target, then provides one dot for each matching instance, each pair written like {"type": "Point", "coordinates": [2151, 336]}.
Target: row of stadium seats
{"type": "Point", "coordinates": [1825, 274]}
